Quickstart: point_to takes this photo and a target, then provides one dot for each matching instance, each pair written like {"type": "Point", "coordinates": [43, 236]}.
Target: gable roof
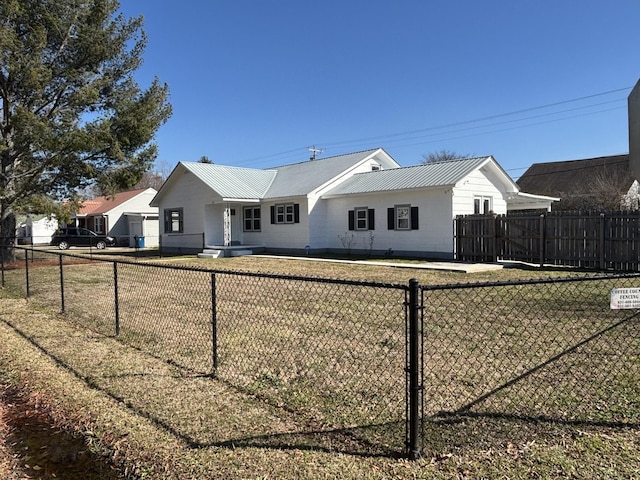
{"type": "Point", "coordinates": [576, 176]}
{"type": "Point", "coordinates": [430, 175]}
{"type": "Point", "coordinates": [305, 177]}
{"type": "Point", "coordinates": [292, 180]}
{"type": "Point", "coordinates": [104, 204]}
{"type": "Point", "coordinates": [232, 182]}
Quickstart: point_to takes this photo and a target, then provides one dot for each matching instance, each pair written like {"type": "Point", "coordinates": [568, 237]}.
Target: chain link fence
{"type": "Point", "coordinates": [330, 352]}
{"type": "Point", "coordinates": [339, 354]}
{"type": "Point", "coordinates": [542, 350]}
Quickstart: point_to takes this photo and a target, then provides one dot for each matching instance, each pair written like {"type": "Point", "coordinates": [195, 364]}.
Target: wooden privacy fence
{"type": "Point", "coordinates": [599, 240]}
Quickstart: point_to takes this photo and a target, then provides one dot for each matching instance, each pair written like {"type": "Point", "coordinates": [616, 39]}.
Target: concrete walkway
{"type": "Point", "coordinates": [426, 265]}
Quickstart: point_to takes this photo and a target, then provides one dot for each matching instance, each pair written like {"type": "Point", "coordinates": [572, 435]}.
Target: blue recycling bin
{"type": "Point", "coordinates": [139, 241]}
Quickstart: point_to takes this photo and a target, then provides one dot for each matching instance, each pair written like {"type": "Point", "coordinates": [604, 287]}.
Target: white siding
{"type": "Point", "coordinates": [117, 222]}
{"type": "Point", "coordinates": [477, 184]}
{"type": "Point", "coordinates": [191, 195]}
{"type": "Point", "coordinates": [434, 235]}
{"type": "Point", "coordinates": [293, 236]}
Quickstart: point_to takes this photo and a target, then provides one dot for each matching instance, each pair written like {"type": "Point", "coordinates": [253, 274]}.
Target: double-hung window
{"type": "Point", "coordinates": [283, 213]}
{"type": "Point", "coordinates": [402, 217]}
{"type": "Point", "coordinates": [173, 220]}
{"type": "Point", "coordinates": [252, 219]}
{"type": "Point", "coordinates": [362, 218]}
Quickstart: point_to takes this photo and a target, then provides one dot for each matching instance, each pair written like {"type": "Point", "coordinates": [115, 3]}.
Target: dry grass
{"type": "Point", "coordinates": [157, 419]}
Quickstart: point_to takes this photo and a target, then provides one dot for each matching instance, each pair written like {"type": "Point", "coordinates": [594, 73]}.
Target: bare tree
{"type": "Point", "coordinates": [442, 156]}
{"type": "Point", "coordinates": [604, 189]}
{"type": "Point", "coordinates": [155, 178]}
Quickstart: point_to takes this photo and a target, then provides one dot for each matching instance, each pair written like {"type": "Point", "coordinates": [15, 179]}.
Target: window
{"type": "Point", "coordinates": [251, 219]}
{"type": "Point", "coordinates": [285, 213]}
{"type": "Point", "coordinates": [362, 218]}
{"type": "Point", "coordinates": [402, 217]}
{"type": "Point", "coordinates": [481, 205]}
{"type": "Point", "coordinates": [173, 220]}
{"type": "Point", "coordinates": [98, 224]}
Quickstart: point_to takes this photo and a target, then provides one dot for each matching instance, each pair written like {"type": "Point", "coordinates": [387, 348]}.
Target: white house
{"type": "Point", "coordinates": [36, 231]}
{"type": "Point", "coordinates": [362, 202]}
{"type": "Point", "coordinates": [124, 215]}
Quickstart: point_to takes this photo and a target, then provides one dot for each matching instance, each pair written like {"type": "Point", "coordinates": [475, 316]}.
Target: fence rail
{"type": "Point", "coordinates": [596, 240]}
{"type": "Point", "coordinates": [385, 360]}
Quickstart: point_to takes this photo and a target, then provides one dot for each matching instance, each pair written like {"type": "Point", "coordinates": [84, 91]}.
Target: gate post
{"type": "Point", "coordinates": [413, 442]}
{"type": "Point", "coordinates": [542, 232]}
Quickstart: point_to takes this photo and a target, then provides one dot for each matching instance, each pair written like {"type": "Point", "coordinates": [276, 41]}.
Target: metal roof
{"type": "Point", "coordinates": [438, 174]}
{"type": "Point", "coordinates": [293, 180]}
{"type": "Point", "coordinates": [302, 178]}
{"type": "Point", "coordinates": [232, 182]}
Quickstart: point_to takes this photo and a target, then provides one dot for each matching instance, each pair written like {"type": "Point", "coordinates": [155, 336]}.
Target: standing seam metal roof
{"type": "Point", "coordinates": [419, 176]}
{"type": "Point", "coordinates": [286, 181]}
{"type": "Point", "coordinates": [302, 178]}
{"type": "Point", "coordinates": [233, 182]}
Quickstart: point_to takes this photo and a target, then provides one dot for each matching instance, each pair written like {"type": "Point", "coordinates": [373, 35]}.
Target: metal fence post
{"type": "Point", "coordinates": [115, 295]}
{"type": "Point", "coordinates": [414, 420]}
{"type": "Point", "coordinates": [602, 260]}
{"type": "Point", "coordinates": [214, 324]}
{"type": "Point", "coordinates": [61, 284]}
{"type": "Point", "coordinates": [2, 249]}
{"type": "Point", "coordinates": [542, 233]}
{"type": "Point", "coordinates": [26, 271]}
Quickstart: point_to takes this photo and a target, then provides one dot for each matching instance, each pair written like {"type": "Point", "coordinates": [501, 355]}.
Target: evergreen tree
{"type": "Point", "coordinates": [71, 113]}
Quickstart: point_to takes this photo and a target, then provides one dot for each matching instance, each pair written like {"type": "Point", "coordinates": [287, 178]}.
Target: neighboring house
{"type": "Point", "coordinates": [603, 183]}
{"type": "Point", "coordinates": [360, 202]}
{"type": "Point", "coordinates": [124, 216]}
{"type": "Point", "coordinates": [35, 230]}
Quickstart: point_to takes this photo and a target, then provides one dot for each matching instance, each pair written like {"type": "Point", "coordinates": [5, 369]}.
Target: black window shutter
{"type": "Point", "coordinates": [296, 213]}
{"type": "Point", "coordinates": [391, 220]}
{"type": "Point", "coordinates": [372, 220]}
{"type": "Point", "coordinates": [352, 220]}
{"type": "Point", "coordinates": [414, 218]}
{"type": "Point", "coordinates": [273, 214]}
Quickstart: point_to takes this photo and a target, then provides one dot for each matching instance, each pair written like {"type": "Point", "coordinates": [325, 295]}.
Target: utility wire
{"type": "Point", "coordinates": [295, 153]}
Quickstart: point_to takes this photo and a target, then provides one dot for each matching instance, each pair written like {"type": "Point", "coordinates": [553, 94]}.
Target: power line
{"type": "Point", "coordinates": [482, 119]}
{"type": "Point", "coordinates": [389, 137]}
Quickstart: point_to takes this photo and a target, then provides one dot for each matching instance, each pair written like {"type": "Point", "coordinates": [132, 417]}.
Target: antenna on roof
{"type": "Point", "coordinates": [314, 151]}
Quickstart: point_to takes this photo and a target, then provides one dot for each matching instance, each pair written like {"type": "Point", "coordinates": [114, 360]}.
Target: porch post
{"type": "Point", "coordinates": [227, 225]}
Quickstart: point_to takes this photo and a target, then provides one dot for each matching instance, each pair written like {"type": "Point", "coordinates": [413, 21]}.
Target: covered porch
{"type": "Point", "coordinates": [230, 231]}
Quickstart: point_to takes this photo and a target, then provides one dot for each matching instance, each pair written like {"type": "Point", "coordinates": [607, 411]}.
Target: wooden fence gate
{"type": "Point", "coordinates": [599, 240]}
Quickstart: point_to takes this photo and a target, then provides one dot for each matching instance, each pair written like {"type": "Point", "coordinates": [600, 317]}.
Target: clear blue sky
{"type": "Point", "coordinates": [255, 82]}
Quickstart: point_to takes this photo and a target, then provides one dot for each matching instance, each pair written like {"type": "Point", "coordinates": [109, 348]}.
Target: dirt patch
{"type": "Point", "coordinates": [33, 446]}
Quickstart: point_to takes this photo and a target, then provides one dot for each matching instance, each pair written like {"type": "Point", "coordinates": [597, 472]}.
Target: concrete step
{"type": "Point", "coordinates": [210, 253]}
{"type": "Point", "coordinates": [240, 253]}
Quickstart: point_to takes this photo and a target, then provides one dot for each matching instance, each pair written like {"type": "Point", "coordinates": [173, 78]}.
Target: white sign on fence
{"type": "Point", "coordinates": [624, 298]}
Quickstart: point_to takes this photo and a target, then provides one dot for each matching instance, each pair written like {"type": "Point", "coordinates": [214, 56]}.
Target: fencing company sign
{"type": "Point", "coordinates": [623, 298]}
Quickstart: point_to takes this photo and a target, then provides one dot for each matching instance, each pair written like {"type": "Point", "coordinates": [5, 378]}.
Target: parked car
{"type": "Point", "coordinates": [80, 237]}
